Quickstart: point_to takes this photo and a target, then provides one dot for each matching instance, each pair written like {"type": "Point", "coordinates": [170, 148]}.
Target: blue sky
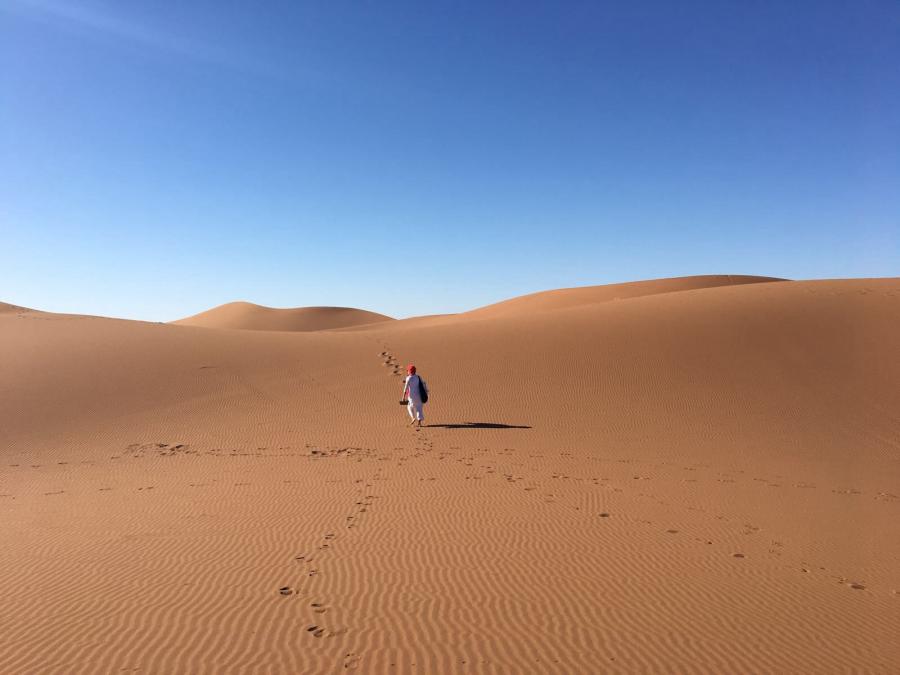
{"type": "Point", "coordinates": [160, 158]}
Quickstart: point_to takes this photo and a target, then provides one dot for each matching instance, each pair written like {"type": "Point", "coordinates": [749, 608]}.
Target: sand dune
{"type": "Point", "coordinates": [12, 309]}
{"type": "Point", "coordinates": [697, 478]}
{"type": "Point", "coordinates": [247, 316]}
{"type": "Point", "coordinates": [589, 295]}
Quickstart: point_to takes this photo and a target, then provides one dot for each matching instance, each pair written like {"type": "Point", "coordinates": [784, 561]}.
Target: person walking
{"type": "Point", "coordinates": [415, 394]}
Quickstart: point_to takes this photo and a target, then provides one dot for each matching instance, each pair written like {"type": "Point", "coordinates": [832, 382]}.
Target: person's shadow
{"type": "Point", "coordinates": [477, 425]}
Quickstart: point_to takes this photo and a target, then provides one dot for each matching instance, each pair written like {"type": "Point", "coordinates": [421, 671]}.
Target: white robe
{"type": "Point", "coordinates": [411, 388]}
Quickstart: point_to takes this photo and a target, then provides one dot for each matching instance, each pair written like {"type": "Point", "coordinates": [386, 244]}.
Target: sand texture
{"type": "Point", "coordinates": [686, 475]}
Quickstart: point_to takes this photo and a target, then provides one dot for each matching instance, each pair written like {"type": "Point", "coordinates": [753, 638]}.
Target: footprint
{"type": "Point", "coordinates": [672, 531]}
{"type": "Point", "coordinates": [316, 631]}
{"type": "Point", "coordinates": [738, 555]}
{"type": "Point", "coordinates": [285, 590]}
{"type": "Point", "coordinates": [318, 607]}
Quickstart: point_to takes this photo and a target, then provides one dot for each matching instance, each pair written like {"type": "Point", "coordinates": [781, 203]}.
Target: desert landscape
{"type": "Point", "coordinates": [697, 474]}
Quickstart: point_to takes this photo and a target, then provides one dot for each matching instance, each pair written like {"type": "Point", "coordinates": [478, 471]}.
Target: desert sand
{"type": "Point", "coordinates": [681, 475]}
{"type": "Point", "coordinates": [248, 316]}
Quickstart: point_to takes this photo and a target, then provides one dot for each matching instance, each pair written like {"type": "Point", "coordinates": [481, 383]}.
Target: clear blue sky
{"type": "Point", "coordinates": [160, 158]}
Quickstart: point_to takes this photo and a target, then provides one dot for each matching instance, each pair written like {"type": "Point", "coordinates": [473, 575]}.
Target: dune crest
{"type": "Point", "coordinates": [564, 298]}
{"type": "Point", "coordinates": [6, 308]}
{"type": "Point", "coordinates": [249, 316]}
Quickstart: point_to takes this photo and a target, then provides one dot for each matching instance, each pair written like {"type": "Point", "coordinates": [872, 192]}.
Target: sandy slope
{"type": "Point", "coordinates": [13, 309]}
{"type": "Point", "coordinates": [590, 295]}
{"type": "Point", "coordinates": [247, 316]}
{"type": "Point", "coordinates": [160, 483]}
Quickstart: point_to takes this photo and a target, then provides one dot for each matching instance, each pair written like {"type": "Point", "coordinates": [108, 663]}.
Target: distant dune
{"type": "Point", "coordinates": [247, 316]}
{"type": "Point", "coordinates": [682, 475]}
{"type": "Point", "coordinates": [589, 295]}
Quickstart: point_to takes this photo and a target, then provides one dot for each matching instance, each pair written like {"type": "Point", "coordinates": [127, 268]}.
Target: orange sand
{"type": "Point", "coordinates": [247, 316]}
{"type": "Point", "coordinates": [685, 475]}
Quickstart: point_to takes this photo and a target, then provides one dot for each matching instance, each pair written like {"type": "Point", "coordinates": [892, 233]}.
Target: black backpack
{"type": "Point", "coordinates": [423, 392]}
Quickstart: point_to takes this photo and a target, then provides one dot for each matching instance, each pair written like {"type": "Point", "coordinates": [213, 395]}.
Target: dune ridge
{"type": "Point", "coordinates": [248, 316]}
{"type": "Point", "coordinates": [6, 308]}
{"type": "Point", "coordinates": [588, 295]}
{"type": "Point", "coordinates": [694, 481]}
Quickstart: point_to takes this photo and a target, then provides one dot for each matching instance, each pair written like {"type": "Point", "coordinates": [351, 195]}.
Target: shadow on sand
{"type": "Point", "coordinates": [476, 425]}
